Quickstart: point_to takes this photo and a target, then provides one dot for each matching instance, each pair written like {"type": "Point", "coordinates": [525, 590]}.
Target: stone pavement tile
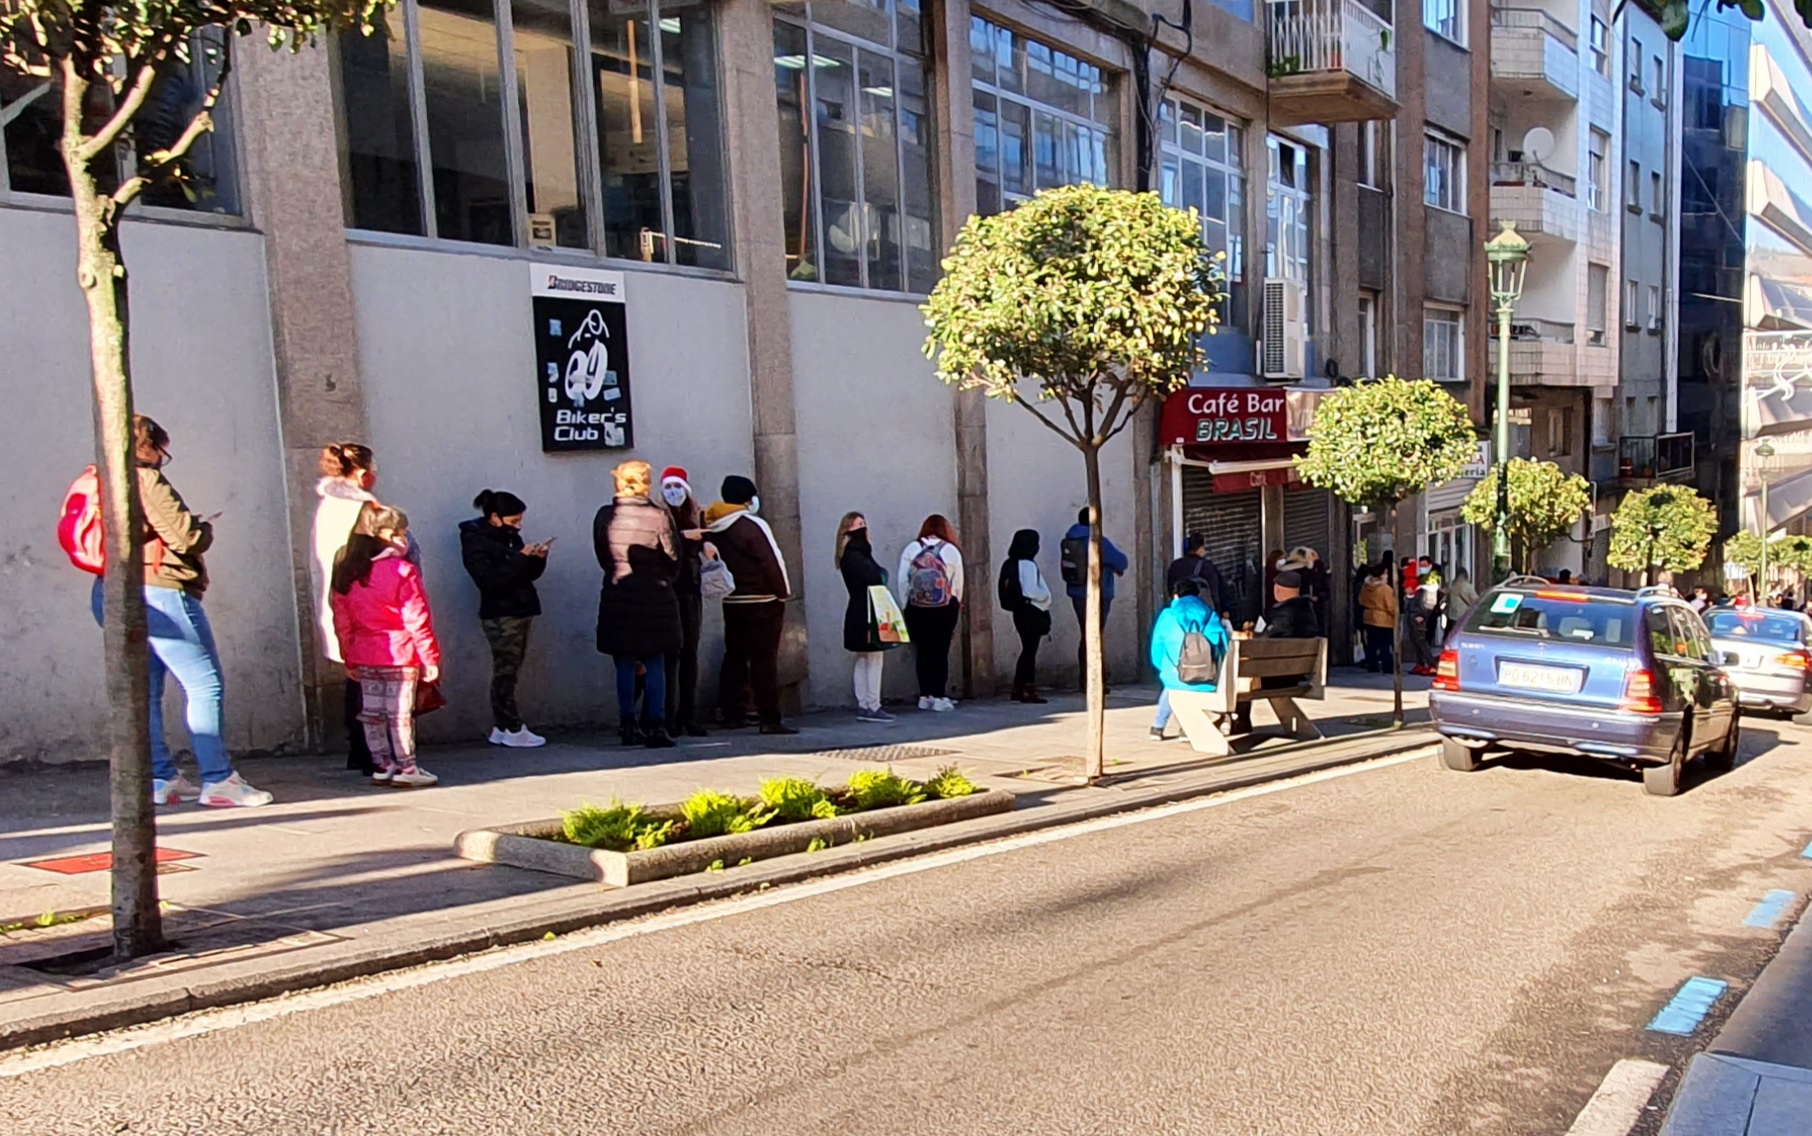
{"type": "Point", "coordinates": [1714, 1099]}
{"type": "Point", "coordinates": [1782, 1108]}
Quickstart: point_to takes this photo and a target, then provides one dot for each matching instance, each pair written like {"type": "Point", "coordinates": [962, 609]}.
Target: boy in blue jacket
{"type": "Point", "coordinates": [1186, 613]}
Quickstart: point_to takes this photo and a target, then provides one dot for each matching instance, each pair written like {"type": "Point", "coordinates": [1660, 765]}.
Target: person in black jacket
{"type": "Point", "coordinates": [505, 570]}
{"type": "Point", "coordinates": [1293, 615]}
{"type": "Point", "coordinates": [682, 665]}
{"type": "Point", "coordinates": [1195, 565]}
{"type": "Point", "coordinates": [638, 614]}
{"type": "Point", "coordinates": [856, 563]}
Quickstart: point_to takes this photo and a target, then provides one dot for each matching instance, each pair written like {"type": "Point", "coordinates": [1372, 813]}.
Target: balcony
{"type": "Point", "coordinates": [1601, 466]}
{"type": "Point", "coordinates": [1656, 457]}
{"type": "Point", "coordinates": [1544, 203]}
{"type": "Point", "coordinates": [1330, 61]}
{"type": "Point", "coordinates": [1533, 54]}
{"type": "Point", "coordinates": [1542, 353]}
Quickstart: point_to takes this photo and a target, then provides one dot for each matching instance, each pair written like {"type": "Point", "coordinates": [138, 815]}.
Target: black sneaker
{"type": "Point", "coordinates": [780, 728]}
{"type": "Point", "coordinates": [657, 738]}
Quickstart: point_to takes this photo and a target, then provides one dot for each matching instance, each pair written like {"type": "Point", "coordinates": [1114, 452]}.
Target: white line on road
{"type": "Point", "coordinates": [1617, 1105]}
{"type": "Point", "coordinates": [358, 990]}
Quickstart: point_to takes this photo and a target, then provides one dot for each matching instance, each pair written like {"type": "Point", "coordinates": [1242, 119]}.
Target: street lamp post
{"type": "Point", "coordinates": [1508, 255]}
{"type": "Point", "coordinates": [1763, 452]}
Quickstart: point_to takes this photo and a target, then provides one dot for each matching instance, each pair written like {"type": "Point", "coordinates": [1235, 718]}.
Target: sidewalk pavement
{"type": "Point", "coordinates": [1756, 1079]}
{"type": "Point", "coordinates": [339, 879]}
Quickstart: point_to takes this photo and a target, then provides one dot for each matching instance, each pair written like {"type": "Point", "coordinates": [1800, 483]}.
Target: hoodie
{"type": "Point", "coordinates": [746, 545]}
{"type": "Point", "coordinates": [1113, 564]}
{"type": "Point", "coordinates": [1185, 614]}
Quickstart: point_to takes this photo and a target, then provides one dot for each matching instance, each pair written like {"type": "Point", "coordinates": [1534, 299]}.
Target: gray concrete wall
{"type": "Point", "coordinates": [202, 367]}
{"type": "Point", "coordinates": [1448, 275]}
{"type": "Point", "coordinates": [1450, 80]}
{"type": "Point", "coordinates": [449, 391]}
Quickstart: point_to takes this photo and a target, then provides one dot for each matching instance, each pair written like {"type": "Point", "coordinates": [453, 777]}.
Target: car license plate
{"type": "Point", "coordinates": [1527, 676]}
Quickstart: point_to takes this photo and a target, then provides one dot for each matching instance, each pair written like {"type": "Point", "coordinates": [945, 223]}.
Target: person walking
{"type": "Point", "coordinates": [179, 639]}
{"type": "Point", "coordinates": [930, 582]}
{"type": "Point", "coordinates": [348, 474]}
{"type": "Point", "coordinates": [755, 611]}
{"type": "Point", "coordinates": [1025, 594]}
{"type": "Point", "coordinates": [1195, 565]}
{"type": "Point", "coordinates": [505, 570]}
{"type": "Point", "coordinates": [855, 561]}
{"type": "Point", "coordinates": [1378, 616]}
{"type": "Point", "coordinates": [638, 614]}
{"type": "Point", "coordinates": [1074, 567]}
{"type": "Point", "coordinates": [386, 633]}
{"type": "Point", "coordinates": [1186, 614]}
{"type": "Point", "coordinates": [682, 665]}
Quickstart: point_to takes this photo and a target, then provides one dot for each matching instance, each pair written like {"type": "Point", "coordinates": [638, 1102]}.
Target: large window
{"type": "Point", "coordinates": [1443, 344]}
{"type": "Point", "coordinates": [1601, 52]}
{"type": "Point", "coordinates": [1042, 118]}
{"type": "Point", "coordinates": [576, 124]}
{"type": "Point", "coordinates": [1288, 204]}
{"type": "Point", "coordinates": [206, 180]}
{"type": "Point", "coordinates": [855, 144]}
{"type": "Point", "coordinates": [1447, 18]}
{"type": "Point", "coordinates": [1598, 196]}
{"type": "Point", "coordinates": [1444, 172]}
{"type": "Point", "coordinates": [1203, 169]}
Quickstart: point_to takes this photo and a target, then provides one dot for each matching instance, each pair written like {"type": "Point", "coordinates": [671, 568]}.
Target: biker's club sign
{"type": "Point", "coordinates": [581, 359]}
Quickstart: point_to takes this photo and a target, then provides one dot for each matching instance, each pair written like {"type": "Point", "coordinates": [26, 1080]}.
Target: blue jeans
{"type": "Point", "coordinates": [654, 690]}
{"type": "Point", "coordinates": [182, 644]}
{"type": "Point", "coordinates": [1163, 718]}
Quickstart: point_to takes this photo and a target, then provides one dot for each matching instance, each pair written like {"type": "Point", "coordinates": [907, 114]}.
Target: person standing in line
{"type": "Point", "coordinates": [1378, 616]}
{"type": "Point", "coordinates": [505, 570]}
{"type": "Point", "coordinates": [386, 632]}
{"type": "Point", "coordinates": [1185, 614]}
{"type": "Point", "coordinates": [1701, 599]}
{"type": "Point", "coordinates": [1025, 594]}
{"type": "Point", "coordinates": [1075, 580]}
{"type": "Point", "coordinates": [179, 639]}
{"type": "Point", "coordinates": [755, 612]}
{"type": "Point", "coordinates": [682, 665]}
{"type": "Point", "coordinates": [1195, 565]}
{"type": "Point", "coordinates": [855, 561]}
{"type": "Point", "coordinates": [1424, 605]}
{"type": "Point", "coordinates": [930, 581]}
{"type": "Point", "coordinates": [1461, 596]}
{"type": "Point", "coordinates": [638, 615]}
{"type": "Point", "coordinates": [348, 474]}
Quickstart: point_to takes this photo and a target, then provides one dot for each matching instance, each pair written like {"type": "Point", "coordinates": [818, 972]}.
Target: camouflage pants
{"type": "Point", "coordinates": [509, 640]}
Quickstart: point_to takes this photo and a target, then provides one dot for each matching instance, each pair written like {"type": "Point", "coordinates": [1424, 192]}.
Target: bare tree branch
{"type": "Point", "coordinates": [1113, 411]}
{"type": "Point", "coordinates": [1132, 412]}
{"type": "Point", "coordinates": [155, 163]}
{"type": "Point", "coordinates": [134, 100]}
{"type": "Point", "coordinates": [1052, 426]}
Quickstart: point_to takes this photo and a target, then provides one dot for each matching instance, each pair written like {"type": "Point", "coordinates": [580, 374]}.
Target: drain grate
{"type": "Point", "coordinates": [885, 754]}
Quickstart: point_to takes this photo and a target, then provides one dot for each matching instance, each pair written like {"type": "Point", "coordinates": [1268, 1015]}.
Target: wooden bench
{"type": "Point", "coordinates": [1248, 661]}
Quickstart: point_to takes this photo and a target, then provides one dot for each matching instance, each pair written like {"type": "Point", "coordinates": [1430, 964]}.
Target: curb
{"type": "Point", "coordinates": [407, 945]}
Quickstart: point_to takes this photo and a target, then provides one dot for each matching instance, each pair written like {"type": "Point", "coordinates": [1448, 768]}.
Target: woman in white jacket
{"type": "Point", "coordinates": [347, 474]}
{"type": "Point", "coordinates": [1027, 597]}
{"type": "Point", "coordinates": [931, 596]}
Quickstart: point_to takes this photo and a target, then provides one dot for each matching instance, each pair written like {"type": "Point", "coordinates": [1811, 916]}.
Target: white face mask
{"type": "Point", "coordinates": [755, 504]}
{"type": "Point", "coordinates": [674, 495]}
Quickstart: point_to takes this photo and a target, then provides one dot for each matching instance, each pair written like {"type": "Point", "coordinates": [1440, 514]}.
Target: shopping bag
{"type": "Point", "coordinates": [885, 618]}
{"type": "Point", "coordinates": [428, 698]}
{"type": "Point", "coordinates": [715, 582]}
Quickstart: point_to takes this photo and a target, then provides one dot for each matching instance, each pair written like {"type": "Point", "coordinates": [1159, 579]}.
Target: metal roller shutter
{"type": "Point", "coordinates": [1230, 523]}
{"type": "Point", "coordinates": [1306, 519]}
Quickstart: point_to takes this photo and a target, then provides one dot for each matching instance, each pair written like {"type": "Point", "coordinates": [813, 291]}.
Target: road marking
{"type": "Point", "coordinates": [1617, 1105]}
{"type": "Point", "coordinates": [1808, 852]}
{"type": "Point", "coordinates": [1768, 912]}
{"type": "Point", "coordinates": [232, 1017]}
{"type": "Point", "coordinates": [1688, 1008]}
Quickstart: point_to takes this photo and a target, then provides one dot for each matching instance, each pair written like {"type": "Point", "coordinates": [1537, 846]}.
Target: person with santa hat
{"type": "Point", "coordinates": [682, 665]}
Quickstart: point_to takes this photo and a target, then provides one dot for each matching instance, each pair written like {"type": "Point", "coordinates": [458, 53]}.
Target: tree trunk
{"type": "Point", "coordinates": [1396, 634]}
{"type": "Point", "coordinates": [1094, 672]}
{"type": "Point", "coordinates": [101, 272]}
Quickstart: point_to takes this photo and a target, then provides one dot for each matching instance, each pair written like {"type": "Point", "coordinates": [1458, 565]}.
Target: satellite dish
{"type": "Point", "coordinates": [1538, 144]}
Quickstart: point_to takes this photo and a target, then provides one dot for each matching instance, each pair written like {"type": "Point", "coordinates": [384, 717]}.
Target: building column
{"type": "Point", "coordinates": [288, 143]}
{"type": "Point", "coordinates": [751, 135]}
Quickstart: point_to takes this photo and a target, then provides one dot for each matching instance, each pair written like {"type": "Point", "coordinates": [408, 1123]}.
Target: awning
{"type": "Point", "coordinates": [1787, 499]}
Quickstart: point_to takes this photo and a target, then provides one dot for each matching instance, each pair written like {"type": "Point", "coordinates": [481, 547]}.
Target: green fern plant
{"type": "Point", "coordinates": [950, 782]}
{"type": "Point", "coordinates": [709, 813]}
{"type": "Point", "coordinates": [601, 826]}
{"type": "Point", "coordinates": [793, 799]}
{"type": "Point", "coordinates": [883, 789]}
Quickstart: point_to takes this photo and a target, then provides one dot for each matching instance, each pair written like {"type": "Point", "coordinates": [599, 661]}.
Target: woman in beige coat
{"type": "Point", "coordinates": [1378, 614]}
{"type": "Point", "coordinates": [347, 474]}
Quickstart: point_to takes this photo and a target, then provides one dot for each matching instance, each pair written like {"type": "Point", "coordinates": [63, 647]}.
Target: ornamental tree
{"type": "Point", "coordinates": [1081, 306]}
{"type": "Point", "coordinates": [1666, 528]}
{"type": "Point", "coordinates": [1745, 551]}
{"type": "Point", "coordinates": [1380, 441]}
{"type": "Point", "coordinates": [102, 65]}
{"type": "Point", "coordinates": [1545, 503]}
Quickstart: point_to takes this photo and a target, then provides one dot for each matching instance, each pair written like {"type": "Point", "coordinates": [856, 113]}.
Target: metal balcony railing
{"type": "Point", "coordinates": [1535, 18]}
{"type": "Point", "coordinates": [1655, 457]}
{"type": "Point", "coordinates": [1534, 174]}
{"type": "Point", "coordinates": [1537, 331]}
{"type": "Point", "coordinates": [1603, 465]}
{"type": "Point", "coordinates": [1333, 35]}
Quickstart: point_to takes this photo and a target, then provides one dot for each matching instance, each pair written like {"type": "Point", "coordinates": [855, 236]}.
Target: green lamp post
{"type": "Point", "coordinates": [1508, 257]}
{"type": "Point", "coordinates": [1763, 452]}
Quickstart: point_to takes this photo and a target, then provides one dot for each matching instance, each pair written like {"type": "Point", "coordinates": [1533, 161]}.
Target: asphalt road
{"type": "Point", "coordinates": [1403, 950]}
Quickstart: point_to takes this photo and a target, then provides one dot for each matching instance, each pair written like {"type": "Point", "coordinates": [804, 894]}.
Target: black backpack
{"type": "Point", "coordinates": [1073, 553]}
{"type": "Point", "coordinates": [1012, 597]}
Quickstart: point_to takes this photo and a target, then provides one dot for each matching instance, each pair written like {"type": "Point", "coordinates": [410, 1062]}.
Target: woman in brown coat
{"type": "Point", "coordinates": [1378, 614]}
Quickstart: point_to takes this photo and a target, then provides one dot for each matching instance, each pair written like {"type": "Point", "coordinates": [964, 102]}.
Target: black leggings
{"type": "Point", "coordinates": [931, 629]}
{"type": "Point", "coordinates": [1033, 625]}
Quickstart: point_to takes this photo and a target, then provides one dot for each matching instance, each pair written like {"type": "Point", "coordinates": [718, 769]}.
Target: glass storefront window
{"type": "Point", "coordinates": [1201, 167]}
{"type": "Point", "coordinates": [1048, 114]}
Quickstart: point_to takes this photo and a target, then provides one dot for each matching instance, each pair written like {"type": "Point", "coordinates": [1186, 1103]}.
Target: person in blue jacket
{"type": "Point", "coordinates": [1186, 613]}
{"type": "Point", "coordinates": [1074, 554]}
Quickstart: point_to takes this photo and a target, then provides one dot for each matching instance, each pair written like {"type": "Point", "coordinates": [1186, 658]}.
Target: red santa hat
{"type": "Point", "coordinates": [677, 474]}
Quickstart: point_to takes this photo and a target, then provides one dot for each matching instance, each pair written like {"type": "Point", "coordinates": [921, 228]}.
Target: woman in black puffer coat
{"type": "Point", "coordinates": [638, 613]}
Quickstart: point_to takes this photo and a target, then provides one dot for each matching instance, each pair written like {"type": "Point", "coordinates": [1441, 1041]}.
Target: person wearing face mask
{"type": "Point", "coordinates": [855, 560]}
{"type": "Point", "coordinates": [755, 612]}
{"type": "Point", "coordinates": [682, 665]}
{"type": "Point", "coordinates": [505, 570]}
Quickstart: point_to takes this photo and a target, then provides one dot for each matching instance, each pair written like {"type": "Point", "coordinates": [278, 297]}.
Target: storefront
{"type": "Point", "coordinates": [1446, 538]}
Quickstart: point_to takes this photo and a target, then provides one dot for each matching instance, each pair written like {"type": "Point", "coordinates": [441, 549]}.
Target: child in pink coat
{"type": "Point", "coordinates": [386, 633]}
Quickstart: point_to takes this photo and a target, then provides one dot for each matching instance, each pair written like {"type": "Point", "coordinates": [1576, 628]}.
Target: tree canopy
{"type": "Point", "coordinates": [1545, 503]}
{"type": "Point", "coordinates": [1677, 15]}
{"type": "Point", "coordinates": [1381, 440]}
{"type": "Point", "coordinates": [1667, 527]}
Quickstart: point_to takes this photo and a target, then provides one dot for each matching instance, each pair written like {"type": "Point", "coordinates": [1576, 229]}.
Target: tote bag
{"type": "Point", "coordinates": [886, 623]}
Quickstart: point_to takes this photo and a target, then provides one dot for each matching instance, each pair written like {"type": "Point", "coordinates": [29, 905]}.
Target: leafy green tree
{"type": "Point", "coordinates": [1745, 551]}
{"type": "Point", "coordinates": [1664, 529]}
{"type": "Point", "coordinates": [1793, 553]}
{"type": "Point", "coordinates": [101, 64]}
{"type": "Point", "coordinates": [1545, 503]}
{"type": "Point", "coordinates": [1677, 16]}
{"type": "Point", "coordinates": [1081, 306]}
{"type": "Point", "coordinates": [1382, 440]}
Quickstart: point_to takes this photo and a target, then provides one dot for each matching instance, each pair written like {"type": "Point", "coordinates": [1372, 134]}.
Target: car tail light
{"type": "Point", "coordinates": [1797, 660]}
{"type": "Point", "coordinates": [1447, 671]}
{"type": "Point", "coordinates": [1639, 693]}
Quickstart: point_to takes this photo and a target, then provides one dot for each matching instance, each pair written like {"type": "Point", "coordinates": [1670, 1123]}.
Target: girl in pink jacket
{"type": "Point", "coordinates": [386, 634]}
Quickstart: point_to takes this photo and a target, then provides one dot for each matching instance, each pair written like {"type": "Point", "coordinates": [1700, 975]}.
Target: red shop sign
{"type": "Point", "coordinates": [1254, 479]}
{"type": "Point", "coordinates": [1198, 416]}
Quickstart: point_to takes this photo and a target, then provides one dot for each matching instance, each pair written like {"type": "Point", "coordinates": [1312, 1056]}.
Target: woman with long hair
{"type": "Point", "coordinates": [1027, 596]}
{"type": "Point", "coordinates": [638, 615]}
{"type": "Point", "coordinates": [931, 588]}
{"type": "Point", "coordinates": [505, 570]}
{"type": "Point", "coordinates": [855, 561]}
{"type": "Point", "coordinates": [348, 473]}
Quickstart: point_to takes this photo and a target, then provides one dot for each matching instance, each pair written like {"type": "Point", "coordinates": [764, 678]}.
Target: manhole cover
{"type": "Point", "coordinates": [885, 754]}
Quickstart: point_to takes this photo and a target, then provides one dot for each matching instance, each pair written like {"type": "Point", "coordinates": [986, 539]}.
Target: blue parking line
{"type": "Point", "coordinates": [1688, 1008]}
{"type": "Point", "coordinates": [1768, 912]}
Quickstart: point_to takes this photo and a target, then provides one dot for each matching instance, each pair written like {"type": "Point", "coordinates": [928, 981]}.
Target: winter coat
{"type": "Point", "coordinates": [746, 545]}
{"type": "Point", "coordinates": [341, 504]}
{"type": "Point", "coordinates": [385, 621]}
{"type": "Point", "coordinates": [860, 572]}
{"type": "Point", "coordinates": [638, 613]}
{"type": "Point", "coordinates": [1203, 571]}
{"type": "Point", "coordinates": [952, 557]}
{"type": "Point", "coordinates": [687, 516]}
{"type": "Point", "coordinates": [505, 576]}
{"type": "Point", "coordinates": [174, 537]}
{"type": "Point", "coordinates": [1293, 619]}
{"type": "Point", "coordinates": [1378, 603]}
{"type": "Point", "coordinates": [1113, 564]}
{"type": "Point", "coordinates": [1185, 614]}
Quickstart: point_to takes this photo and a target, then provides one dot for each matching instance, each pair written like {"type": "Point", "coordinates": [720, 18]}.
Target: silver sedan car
{"type": "Point", "coordinates": [1766, 654]}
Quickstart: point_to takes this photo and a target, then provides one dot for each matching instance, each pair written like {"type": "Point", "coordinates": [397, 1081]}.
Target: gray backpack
{"type": "Point", "coordinates": [1196, 664]}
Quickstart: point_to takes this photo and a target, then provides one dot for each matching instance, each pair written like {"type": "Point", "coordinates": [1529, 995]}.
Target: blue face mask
{"type": "Point", "coordinates": [674, 495]}
{"type": "Point", "coordinates": [755, 504]}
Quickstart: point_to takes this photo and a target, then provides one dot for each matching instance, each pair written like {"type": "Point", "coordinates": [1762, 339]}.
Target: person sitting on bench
{"type": "Point", "coordinates": [1170, 636]}
{"type": "Point", "coordinates": [1291, 617]}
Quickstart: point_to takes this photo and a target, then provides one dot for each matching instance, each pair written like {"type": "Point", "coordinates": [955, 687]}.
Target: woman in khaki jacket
{"type": "Point", "coordinates": [1378, 614]}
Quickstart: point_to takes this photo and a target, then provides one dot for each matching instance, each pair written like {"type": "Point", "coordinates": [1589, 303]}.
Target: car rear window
{"type": "Point", "coordinates": [1754, 625]}
{"type": "Point", "coordinates": [1550, 615]}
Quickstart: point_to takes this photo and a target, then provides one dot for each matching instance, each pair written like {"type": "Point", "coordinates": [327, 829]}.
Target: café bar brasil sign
{"type": "Point", "coordinates": [1206, 416]}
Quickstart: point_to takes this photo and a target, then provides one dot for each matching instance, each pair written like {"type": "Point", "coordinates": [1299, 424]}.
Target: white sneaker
{"type": "Point", "coordinates": [233, 793]}
{"type": "Point", "coordinates": [179, 788]}
{"type": "Point", "coordinates": [523, 738]}
{"type": "Point", "coordinates": [925, 703]}
{"type": "Point", "coordinates": [380, 777]}
{"type": "Point", "coordinates": [499, 737]}
{"type": "Point", "coordinates": [417, 778]}
{"type": "Point", "coordinates": [942, 705]}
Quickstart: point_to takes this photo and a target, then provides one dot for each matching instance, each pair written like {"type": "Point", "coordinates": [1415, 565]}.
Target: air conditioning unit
{"type": "Point", "coordinates": [1283, 341]}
